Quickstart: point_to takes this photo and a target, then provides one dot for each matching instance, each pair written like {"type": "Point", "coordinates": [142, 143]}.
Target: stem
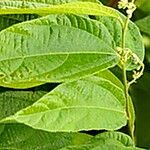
{"type": "Point", "coordinates": [125, 31]}
{"type": "Point", "coordinates": [126, 94]}
{"type": "Point", "coordinates": [126, 87]}
{"type": "Point", "coordinates": [125, 81]}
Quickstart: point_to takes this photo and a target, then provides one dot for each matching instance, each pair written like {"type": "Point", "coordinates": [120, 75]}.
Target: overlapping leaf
{"type": "Point", "coordinates": [68, 48]}
{"type": "Point", "coordinates": [143, 5]}
{"type": "Point", "coordinates": [12, 101]}
{"type": "Point", "coordinates": [144, 24]}
{"type": "Point", "coordinates": [18, 136]}
{"type": "Point", "coordinates": [118, 136]}
{"type": "Point", "coordinates": [106, 141]}
{"type": "Point", "coordinates": [140, 95]}
{"type": "Point", "coordinates": [134, 40]}
{"type": "Point", "coordinates": [54, 49]}
{"type": "Point", "coordinates": [38, 3]}
{"type": "Point", "coordinates": [8, 20]}
{"type": "Point", "coordinates": [75, 106]}
{"type": "Point", "coordinates": [83, 8]}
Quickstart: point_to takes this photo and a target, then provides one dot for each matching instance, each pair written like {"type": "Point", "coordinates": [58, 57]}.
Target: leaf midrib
{"type": "Point", "coordinates": [40, 80]}
{"type": "Point", "coordinates": [72, 107]}
{"type": "Point", "coordinates": [47, 54]}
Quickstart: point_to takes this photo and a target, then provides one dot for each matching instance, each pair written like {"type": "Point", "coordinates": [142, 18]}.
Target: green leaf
{"type": "Point", "coordinates": [106, 141]}
{"type": "Point", "coordinates": [39, 3]}
{"type": "Point", "coordinates": [8, 20]}
{"type": "Point", "coordinates": [144, 5]}
{"type": "Point", "coordinates": [54, 48]}
{"type": "Point", "coordinates": [146, 40]}
{"type": "Point", "coordinates": [84, 8]}
{"type": "Point", "coordinates": [131, 112]}
{"type": "Point", "coordinates": [134, 40]}
{"type": "Point", "coordinates": [118, 136]}
{"type": "Point", "coordinates": [141, 96]}
{"type": "Point", "coordinates": [18, 136]}
{"type": "Point", "coordinates": [108, 75]}
{"type": "Point", "coordinates": [144, 24]}
{"type": "Point", "coordinates": [12, 101]}
{"type": "Point", "coordinates": [90, 103]}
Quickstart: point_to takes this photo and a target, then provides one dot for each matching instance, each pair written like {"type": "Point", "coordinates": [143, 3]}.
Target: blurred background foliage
{"type": "Point", "coordinates": [140, 92]}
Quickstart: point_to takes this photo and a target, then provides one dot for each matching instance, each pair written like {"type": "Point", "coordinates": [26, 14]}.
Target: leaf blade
{"type": "Point", "coordinates": [71, 107]}
{"type": "Point", "coordinates": [18, 136]}
{"type": "Point", "coordinates": [84, 8]}
{"type": "Point", "coordinates": [107, 140]}
{"type": "Point", "coordinates": [43, 41]}
{"type": "Point", "coordinates": [134, 40]}
{"type": "Point", "coordinates": [144, 24]}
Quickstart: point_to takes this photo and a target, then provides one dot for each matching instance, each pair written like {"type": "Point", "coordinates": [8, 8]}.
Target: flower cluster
{"type": "Point", "coordinates": [122, 4]}
{"type": "Point", "coordinates": [125, 4]}
{"type": "Point", "coordinates": [125, 55]}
